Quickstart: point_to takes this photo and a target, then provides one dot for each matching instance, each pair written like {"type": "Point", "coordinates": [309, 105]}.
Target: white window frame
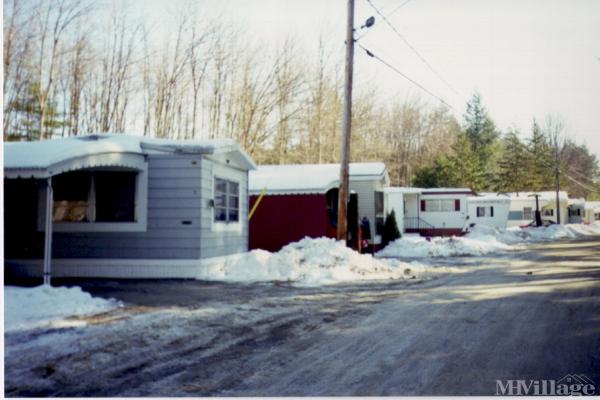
{"type": "Point", "coordinates": [481, 211]}
{"type": "Point", "coordinates": [141, 210]}
{"type": "Point", "coordinates": [232, 175]}
{"type": "Point", "coordinates": [531, 214]}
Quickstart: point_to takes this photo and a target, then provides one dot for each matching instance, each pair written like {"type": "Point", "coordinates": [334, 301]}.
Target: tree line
{"type": "Point", "coordinates": [71, 68]}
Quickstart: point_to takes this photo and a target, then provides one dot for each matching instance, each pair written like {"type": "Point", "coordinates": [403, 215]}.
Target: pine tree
{"type": "Point", "coordinates": [390, 229]}
{"type": "Point", "coordinates": [463, 166]}
{"type": "Point", "coordinates": [479, 129]}
{"type": "Point", "coordinates": [28, 110]}
{"type": "Point", "coordinates": [539, 166]}
{"type": "Point", "coordinates": [512, 165]}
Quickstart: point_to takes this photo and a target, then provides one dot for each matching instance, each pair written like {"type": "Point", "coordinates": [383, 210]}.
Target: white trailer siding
{"type": "Point", "coordinates": [487, 210]}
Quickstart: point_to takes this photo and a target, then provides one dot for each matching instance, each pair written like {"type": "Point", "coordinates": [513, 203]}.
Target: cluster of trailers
{"type": "Point", "coordinates": [115, 205]}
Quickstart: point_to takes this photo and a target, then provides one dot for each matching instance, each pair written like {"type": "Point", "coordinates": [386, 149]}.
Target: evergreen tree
{"type": "Point", "coordinates": [512, 165]}
{"type": "Point", "coordinates": [27, 108]}
{"type": "Point", "coordinates": [479, 129]}
{"type": "Point", "coordinates": [390, 229]}
{"type": "Point", "coordinates": [461, 168]}
{"type": "Point", "coordinates": [540, 162]}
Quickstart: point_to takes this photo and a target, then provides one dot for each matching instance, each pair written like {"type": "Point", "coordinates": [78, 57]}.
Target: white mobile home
{"type": "Point", "coordinates": [114, 205]}
{"type": "Point", "coordinates": [429, 212]}
{"type": "Point", "coordinates": [522, 207]}
{"type": "Point", "coordinates": [489, 209]}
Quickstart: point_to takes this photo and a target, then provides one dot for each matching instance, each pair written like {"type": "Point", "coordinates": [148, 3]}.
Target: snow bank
{"type": "Point", "coordinates": [43, 306]}
{"type": "Point", "coordinates": [475, 244]}
{"type": "Point", "coordinates": [554, 232]}
{"type": "Point", "coordinates": [483, 240]}
{"type": "Point", "coordinates": [307, 262]}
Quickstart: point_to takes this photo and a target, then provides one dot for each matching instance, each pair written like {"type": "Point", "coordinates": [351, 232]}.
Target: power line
{"type": "Point", "coordinates": [399, 7]}
{"type": "Point", "coordinates": [371, 54]}
{"type": "Point", "coordinates": [586, 187]}
{"type": "Point", "coordinates": [414, 50]}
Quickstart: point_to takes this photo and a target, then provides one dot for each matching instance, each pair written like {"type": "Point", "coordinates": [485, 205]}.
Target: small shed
{"type": "Point", "coordinates": [115, 205]}
{"type": "Point", "coordinates": [291, 202]}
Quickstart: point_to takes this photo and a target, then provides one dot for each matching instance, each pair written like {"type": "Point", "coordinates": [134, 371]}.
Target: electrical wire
{"type": "Point", "coordinates": [399, 7]}
{"type": "Point", "coordinates": [390, 66]}
{"type": "Point", "coordinates": [414, 50]}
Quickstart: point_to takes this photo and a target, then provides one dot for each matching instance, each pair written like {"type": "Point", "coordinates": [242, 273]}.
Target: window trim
{"type": "Point", "coordinates": [140, 210]}
{"type": "Point", "coordinates": [220, 226]}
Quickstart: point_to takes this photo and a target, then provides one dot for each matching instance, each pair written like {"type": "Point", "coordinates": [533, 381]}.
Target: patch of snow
{"type": "Point", "coordinates": [482, 240]}
{"type": "Point", "coordinates": [46, 306]}
{"type": "Point", "coordinates": [475, 244]}
{"type": "Point", "coordinates": [306, 262]}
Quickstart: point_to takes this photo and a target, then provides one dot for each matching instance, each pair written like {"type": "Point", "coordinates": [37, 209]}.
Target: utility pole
{"type": "Point", "coordinates": [343, 194]}
{"type": "Point", "coordinates": [557, 177]}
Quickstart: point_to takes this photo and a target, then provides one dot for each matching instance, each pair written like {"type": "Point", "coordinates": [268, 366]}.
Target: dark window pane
{"type": "Point", "coordinates": [220, 200]}
{"type": "Point", "coordinates": [71, 192]}
{"type": "Point", "coordinates": [220, 214]}
{"type": "Point", "coordinates": [378, 202]}
{"type": "Point", "coordinates": [72, 186]}
{"type": "Point", "coordinates": [220, 185]}
{"type": "Point", "coordinates": [115, 196]}
{"type": "Point", "coordinates": [233, 188]}
{"type": "Point", "coordinates": [379, 223]}
{"type": "Point", "coordinates": [234, 202]}
{"type": "Point", "coordinates": [234, 216]}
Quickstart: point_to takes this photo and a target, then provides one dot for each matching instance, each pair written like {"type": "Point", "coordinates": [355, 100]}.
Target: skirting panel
{"type": "Point", "coordinates": [118, 268]}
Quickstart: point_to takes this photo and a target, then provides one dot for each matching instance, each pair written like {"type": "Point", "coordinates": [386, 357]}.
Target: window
{"type": "Point", "coordinates": [481, 211]}
{"type": "Point", "coordinates": [548, 212]}
{"type": "Point", "coordinates": [94, 196]}
{"type": "Point", "coordinates": [437, 205]}
{"type": "Point", "coordinates": [491, 211]}
{"type": "Point", "coordinates": [527, 213]}
{"type": "Point", "coordinates": [447, 205]}
{"type": "Point", "coordinates": [97, 200]}
{"type": "Point", "coordinates": [227, 201]}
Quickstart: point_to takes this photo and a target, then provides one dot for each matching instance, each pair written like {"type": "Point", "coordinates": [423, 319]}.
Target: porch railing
{"type": "Point", "coordinates": [416, 223]}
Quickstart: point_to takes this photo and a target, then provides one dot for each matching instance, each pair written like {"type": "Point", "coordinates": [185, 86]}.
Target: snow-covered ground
{"type": "Point", "coordinates": [534, 313]}
{"type": "Point", "coordinates": [483, 240]}
{"type": "Point", "coordinates": [46, 306]}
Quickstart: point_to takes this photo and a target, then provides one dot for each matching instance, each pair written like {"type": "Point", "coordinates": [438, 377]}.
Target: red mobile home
{"type": "Point", "coordinates": [301, 201]}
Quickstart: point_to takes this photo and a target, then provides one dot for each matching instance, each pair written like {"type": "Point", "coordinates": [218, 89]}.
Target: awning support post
{"type": "Point", "coordinates": [48, 232]}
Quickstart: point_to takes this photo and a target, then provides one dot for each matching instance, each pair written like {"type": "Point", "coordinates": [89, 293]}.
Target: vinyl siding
{"type": "Point", "coordinates": [174, 218]}
{"type": "Point", "coordinates": [365, 191]}
{"type": "Point", "coordinates": [217, 238]}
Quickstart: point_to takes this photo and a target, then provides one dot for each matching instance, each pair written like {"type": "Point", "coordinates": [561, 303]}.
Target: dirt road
{"type": "Point", "coordinates": [534, 314]}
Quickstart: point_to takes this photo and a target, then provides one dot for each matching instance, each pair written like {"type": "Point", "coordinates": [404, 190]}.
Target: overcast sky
{"type": "Point", "coordinates": [527, 58]}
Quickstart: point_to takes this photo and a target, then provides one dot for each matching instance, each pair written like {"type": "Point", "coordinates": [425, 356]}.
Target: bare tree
{"type": "Point", "coordinates": [52, 18]}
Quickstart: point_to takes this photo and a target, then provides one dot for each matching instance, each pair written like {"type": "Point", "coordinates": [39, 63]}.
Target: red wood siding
{"type": "Point", "coordinates": [283, 219]}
